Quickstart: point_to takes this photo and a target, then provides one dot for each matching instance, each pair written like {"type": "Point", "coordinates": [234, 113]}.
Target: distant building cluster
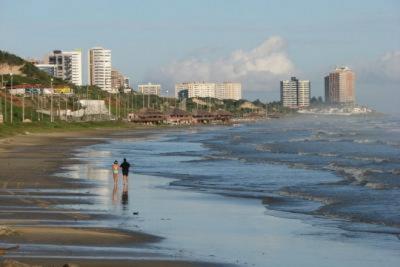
{"type": "Point", "coordinates": [295, 93]}
{"type": "Point", "coordinates": [339, 89]}
{"type": "Point", "coordinates": [67, 65]}
{"type": "Point", "coordinates": [226, 90]}
{"type": "Point", "coordinates": [339, 86]}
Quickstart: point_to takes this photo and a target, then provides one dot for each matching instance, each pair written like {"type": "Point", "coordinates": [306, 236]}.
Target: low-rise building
{"type": "Point", "coordinates": [149, 89]}
{"type": "Point", "coordinates": [65, 90]}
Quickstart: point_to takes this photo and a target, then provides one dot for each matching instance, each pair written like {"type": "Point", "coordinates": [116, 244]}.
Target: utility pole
{"type": "Point", "coordinates": [5, 99]}
{"type": "Point", "coordinates": [38, 106]}
{"type": "Point", "coordinates": [59, 108]}
{"type": "Point", "coordinates": [5, 104]}
{"type": "Point", "coordinates": [119, 105]}
{"type": "Point", "coordinates": [51, 101]}
{"type": "Point", "coordinates": [11, 115]}
{"type": "Point", "coordinates": [23, 107]}
{"type": "Point", "coordinates": [109, 105]}
{"type": "Point", "coordinates": [66, 107]}
{"type": "Point", "coordinates": [1, 100]}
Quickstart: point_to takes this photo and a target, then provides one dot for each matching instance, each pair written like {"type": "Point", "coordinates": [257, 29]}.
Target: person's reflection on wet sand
{"type": "Point", "coordinates": [124, 199]}
{"type": "Point", "coordinates": [115, 194]}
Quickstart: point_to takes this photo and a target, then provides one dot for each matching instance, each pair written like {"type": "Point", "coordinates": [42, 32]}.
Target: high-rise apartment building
{"type": "Point", "coordinates": [340, 86]}
{"type": "Point", "coordinates": [100, 68]}
{"type": "Point", "coordinates": [117, 80]}
{"type": "Point", "coordinates": [224, 90]}
{"type": "Point", "coordinates": [149, 89]}
{"type": "Point", "coordinates": [295, 93]}
{"type": "Point", "coordinates": [67, 65]}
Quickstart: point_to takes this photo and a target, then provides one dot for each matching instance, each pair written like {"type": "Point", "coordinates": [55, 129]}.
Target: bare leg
{"type": "Point", "coordinates": [115, 176]}
{"type": "Point", "coordinates": [115, 191]}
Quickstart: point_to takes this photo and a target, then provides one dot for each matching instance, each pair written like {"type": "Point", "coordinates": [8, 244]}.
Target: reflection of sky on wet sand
{"type": "Point", "coordinates": [216, 228]}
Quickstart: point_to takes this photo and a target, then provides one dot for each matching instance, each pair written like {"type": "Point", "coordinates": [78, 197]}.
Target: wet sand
{"type": "Point", "coordinates": [30, 193]}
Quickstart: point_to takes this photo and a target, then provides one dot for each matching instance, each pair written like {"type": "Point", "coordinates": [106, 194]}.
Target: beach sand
{"type": "Point", "coordinates": [28, 195]}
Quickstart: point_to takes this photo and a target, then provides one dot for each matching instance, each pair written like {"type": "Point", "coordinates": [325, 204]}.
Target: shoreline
{"type": "Point", "coordinates": [30, 164]}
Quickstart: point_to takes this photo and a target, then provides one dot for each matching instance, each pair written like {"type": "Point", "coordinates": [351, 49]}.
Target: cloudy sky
{"type": "Point", "coordinates": [254, 42]}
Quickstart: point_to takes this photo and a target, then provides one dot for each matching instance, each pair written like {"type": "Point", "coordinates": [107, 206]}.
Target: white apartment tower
{"type": "Point", "coordinates": [67, 65]}
{"type": "Point", "coordinates": [228, 90]}
{"type": "Point", "coordinates": [295, 93]}
{"type": "Point", "coordinates": [100, 68]}
{"type": "Point", "coordinates": [221, 91]}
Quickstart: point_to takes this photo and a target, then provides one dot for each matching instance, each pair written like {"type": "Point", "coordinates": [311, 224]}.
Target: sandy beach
{"type": "Point", "coordinates": [185, 205]}
{"type": "Point", "coordinates": [30, 196]}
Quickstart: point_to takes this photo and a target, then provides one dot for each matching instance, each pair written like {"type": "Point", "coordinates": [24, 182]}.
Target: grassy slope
{"type": "Point", "coordinates": [7, 130]}
{"type": "Point", "coordinates": [31, 74]}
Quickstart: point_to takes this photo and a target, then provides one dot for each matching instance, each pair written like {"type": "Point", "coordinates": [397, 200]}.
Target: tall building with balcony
{"type": "Point", "coordinates": [340, 86]}
{"type": "Point", "coordinates": [67, 65]}
{"type": "Point", "coordinates": [295, 93]}
{"type": "Point", "coordinates": [100, 68]}
{"type": "Point", "coordinates": [149, 89]}
{"type": "Point", "coordinates": [226, 90]}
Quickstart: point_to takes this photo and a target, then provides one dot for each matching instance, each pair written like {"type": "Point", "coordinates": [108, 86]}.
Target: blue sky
{"type": "Point", "coordinates": [262, 41]}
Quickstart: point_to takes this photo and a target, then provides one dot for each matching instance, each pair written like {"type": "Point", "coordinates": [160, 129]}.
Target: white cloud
{"type": "Point", "coordinates": [377, 82]}
{"type": "Point", "coordinates": [385, 69]}
{"type": "Point", "coordinates": [389, 65]}
{"type": "Point", "coordinates": [258, 69]}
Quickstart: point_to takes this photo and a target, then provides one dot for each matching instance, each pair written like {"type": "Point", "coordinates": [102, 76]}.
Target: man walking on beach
{"type": "Point", "coordinates": [125, 170]}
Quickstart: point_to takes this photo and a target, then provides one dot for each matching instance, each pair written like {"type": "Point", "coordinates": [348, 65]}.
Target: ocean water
{"type": "Point", "coordinates": [311, 185]}
{"type": "Point", "coordinates": [346, 167]}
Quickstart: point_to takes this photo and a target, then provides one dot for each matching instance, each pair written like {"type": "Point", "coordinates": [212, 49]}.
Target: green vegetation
{"type": "Point", "coordinates": [10, 59]}
{"type": "Point", "coordinates": [30, 73]}
{"type": "Point", "coordinates": [277, 108]}
{"type": "Point", "coordinates": [7, 130]}
{"type": "Point", "coordinates": [317, 102]}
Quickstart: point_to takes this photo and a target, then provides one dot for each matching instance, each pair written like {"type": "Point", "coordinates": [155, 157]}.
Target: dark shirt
{"type": "Point", "coordinates": [125, 166]}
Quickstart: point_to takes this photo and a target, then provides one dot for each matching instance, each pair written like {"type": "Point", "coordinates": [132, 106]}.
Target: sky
{"type": "Point", "coordinates": [257, 43]}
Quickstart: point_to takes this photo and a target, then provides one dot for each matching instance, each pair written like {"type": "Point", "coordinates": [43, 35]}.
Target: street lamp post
{"type": "Point", "coordinates": [1, 100]}
{"type": "Point", "coordinates": [23, 106]}
{"type": "Point", "coordinates": [11, 110]}
{"type": "Point", "coordinates": [109, 105]}
{"type": "Point", "coordinates": [5, 99]}
{"type": "Point", "coordinates": [51, 101]}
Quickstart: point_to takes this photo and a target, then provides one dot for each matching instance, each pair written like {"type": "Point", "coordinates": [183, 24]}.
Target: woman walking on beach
{"type": "Point", "coordinates": [115, 170]}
